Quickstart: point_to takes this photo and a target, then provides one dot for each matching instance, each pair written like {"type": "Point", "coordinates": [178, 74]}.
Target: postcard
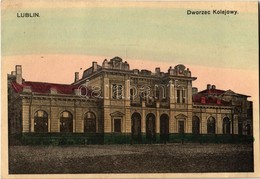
{"type": "Point", "coordinates": [127, 89]}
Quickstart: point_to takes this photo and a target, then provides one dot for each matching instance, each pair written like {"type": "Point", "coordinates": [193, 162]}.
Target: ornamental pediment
{"type": "Point", "coordinates": [181, 116]}
{"type": "Point", "coordinates": [117, 113]}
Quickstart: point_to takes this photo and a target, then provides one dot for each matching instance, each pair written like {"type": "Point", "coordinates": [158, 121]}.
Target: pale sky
{"type": "Point", "coordinates": [218, 49]}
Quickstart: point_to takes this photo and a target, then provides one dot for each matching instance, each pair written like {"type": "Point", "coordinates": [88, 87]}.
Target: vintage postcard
{"type": "Point", "coordinates": [126, 89]}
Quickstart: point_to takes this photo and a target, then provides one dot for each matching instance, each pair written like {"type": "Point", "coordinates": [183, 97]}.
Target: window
{"type": "Point", "coordinates": [40, 122]}
{"type": "Point", "coordinates": [195, 125]}
{"type": "Point", "coordinates": [164, 127]}
{"type": "Point", "coordinates": [90, 122]}
{"type": "Point", "coordinates": [181, 127]}
{"type": "Point", "coordinates": [131, 94]}
{"type": "Point", "coordinates": [183, 96]}
{"type": "Point", "coordinates": [136, 124]}
{"type": "Point", "coordinates": [150, 127]}
{"type": "Point", "coordinates": [157, 94]}
{"type": "Point", "coordinates": [226, 125]}
{"type": "Point", "coordinates": [66, 122]}
{"type": "Point", "coordinates": [178, 96]}
{"type": "Point", "coordinates": [211, 125]}
{"type": "Point", "coordinates": [117, 125]}
{"type": "Point", "coordinates": [117, 91]}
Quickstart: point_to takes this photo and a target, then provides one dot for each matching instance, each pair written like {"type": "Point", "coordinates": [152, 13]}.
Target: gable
{"type": "Point", "coordinates": [117, 113]}
{"type": "Point", "coordinates": [181, 116]}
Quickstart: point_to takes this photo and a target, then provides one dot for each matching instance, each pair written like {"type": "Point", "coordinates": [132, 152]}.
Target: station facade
{"type": "Point", "coordinates": [116, 103]}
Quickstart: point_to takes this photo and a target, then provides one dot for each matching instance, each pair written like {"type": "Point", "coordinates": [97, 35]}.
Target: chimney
{"type": "Point", "coordinates": [76, 77]}
{"type": "Point", "coordinates": [213, 87]}
{"type": "Point", "coordinates": [94, 66]}
{"type": "Point", "coordinates": [18, 71]}
{"type": "Point", "coordinates": [208, 86]}
{"type": "Point", "coordinates": [157, 70]}
{"type": "Point", "coordinates": [13, 73]}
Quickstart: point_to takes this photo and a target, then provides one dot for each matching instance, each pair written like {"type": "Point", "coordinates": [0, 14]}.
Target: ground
{"type": "Point", "coordinates": [169, 158]}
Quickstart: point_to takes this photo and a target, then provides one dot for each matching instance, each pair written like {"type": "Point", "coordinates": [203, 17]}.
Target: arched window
{"type": "Point", "coordinates": [136, 126]}
{"type": "Point", "coordinates": [90, 122]}
{"type": "Point", "coordinates": [195, 125]}
{"type": "Point", "coordinates": [226, 125]}
{"type": "Point", "coordinates": [164, 127]}
{"type": "Point", "coordinates": [211, 125]}
{"type": "Point", "coordinates": [150, 126]}
{"type": "Point", "coordinates": [66, 122]}
{"type": "Point", "coordinates": [40, 121]}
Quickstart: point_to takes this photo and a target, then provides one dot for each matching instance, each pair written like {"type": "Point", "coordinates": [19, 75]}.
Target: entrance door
{"type": "Point", "coordinates": [181, 127]}
{"type": "Point", "coordinates": [164, 128]}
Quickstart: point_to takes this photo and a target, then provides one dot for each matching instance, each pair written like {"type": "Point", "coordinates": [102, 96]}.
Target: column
{"type": "Point", "coordinates": [219, 124]}
{"type": "Point", "coordinates": [143, 126]}
{"type": "Point", "coordinates": [203, 123]}
{"type": "Point", "coordinates": [79, 120]}
{"type": "Point", "coordinates": [157, 122]}
{"type": "Point", "coordinates": [25, 118]}
{"type": "Point", "coordinates": [55, 119]}
{"type": "Point", "coordinates": [171, 122]}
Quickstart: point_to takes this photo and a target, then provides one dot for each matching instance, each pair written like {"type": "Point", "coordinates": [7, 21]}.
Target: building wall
{"type": "Point", "coordinates": [170, 94]}
{"type": "Point", "coordinates": [54, 107]}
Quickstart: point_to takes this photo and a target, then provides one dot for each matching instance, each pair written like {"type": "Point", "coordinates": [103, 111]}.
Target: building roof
{"type": "Point", "coordinates": [42, 87]}
{"type": "Point", "coordinates": [213, 96]}
{"type": "Point", "coordinates": [208, 100]}
{"type": "Point", "coordinates": [212, 91]}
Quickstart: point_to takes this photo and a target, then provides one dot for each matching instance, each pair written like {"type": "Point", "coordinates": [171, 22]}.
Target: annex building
{"type": "Point", "coordinates": [112, 103]}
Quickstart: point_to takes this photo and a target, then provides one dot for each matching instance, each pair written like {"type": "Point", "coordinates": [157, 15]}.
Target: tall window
{"type": "Point", "coordinates": [131, 94]}
{"type": "Point", "coordinates": [181, 127]}
{"type": "Point", "coordinates": [183, 96]}
{"type": "Point", "coordinates": [117, 125]}
{"type": "Point", "coordinates": [150, 126]}
{"type": "Point", "coordinates": [66, 122]}
{"type": "Point", "coordinates": [136, 125]}
{"type": "Point", "coordinates": [226, 125]}
{"type": "Point", "coordinates": [164, 127]}
{"type": "Point", "coordinates": [195, 125]}
{"type": "Point", "coordinates": [117, 91]}
{"type": "Point", "coordinates": [41, 122]}
{"type": "Point", "coordinates": [211, 125]}
{"type": "Point", "coordinates": [157, 94]}
{"type": "Point", "coordinates": [178, 96]}
{"type": "Point", "coordinates": [90, 122]}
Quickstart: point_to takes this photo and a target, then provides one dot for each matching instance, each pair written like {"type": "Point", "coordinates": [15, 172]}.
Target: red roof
{"type": "Point", "coordinates": [209, 97]}
{"type": "Point", "coordinates": [208, 100]}
{"type": "Point", "coordinates": [42, 87]}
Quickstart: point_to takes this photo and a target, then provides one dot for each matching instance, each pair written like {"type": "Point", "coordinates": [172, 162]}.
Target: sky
{"type": "Point", "coordinates": [69, 35]}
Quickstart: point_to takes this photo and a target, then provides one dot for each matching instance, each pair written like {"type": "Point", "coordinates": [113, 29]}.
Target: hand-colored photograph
{"type": "Point", "coordinates": [149, 89]}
